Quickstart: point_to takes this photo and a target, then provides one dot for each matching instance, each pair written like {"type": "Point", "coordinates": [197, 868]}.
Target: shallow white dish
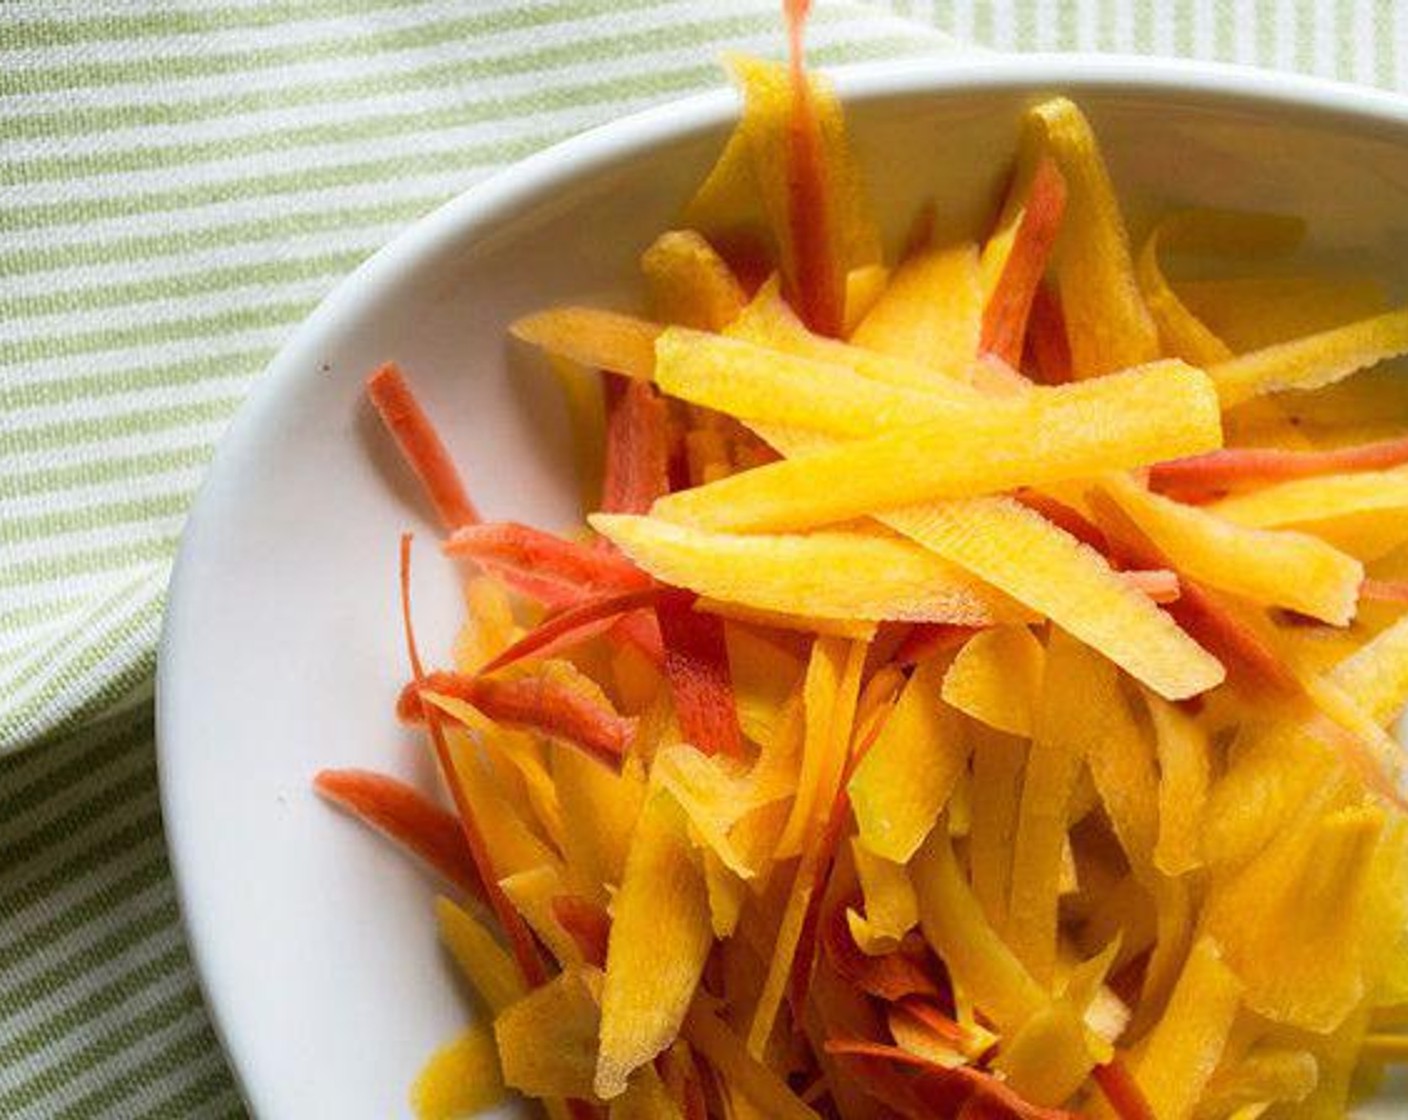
{"type": "Point", "coordinates": [281, 653]}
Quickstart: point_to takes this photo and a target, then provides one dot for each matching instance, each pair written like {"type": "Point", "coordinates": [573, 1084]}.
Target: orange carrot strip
{"type": "Point", "coordinates": [1384, 590]}
{"type": "Point", "coordinates": [403, 813]}
{"type": "Point", "coordinates": [572, 625]}
{"type": "Point", "coordinates": [1123, 1092]}
{"type": "Point", "coordinates": [637, 446]}
{"type": "Point", "coordinates": [587, 923]}
{"type": "Point", "coordinates": [421, 446]}
{"type": "Point", "coordinates": [696, 663]}
{"type": "Point", "coordinates": [524, 951]}
{"type": "Point", "coordinates": [925, 639]}
{"type": "Point", "coordinates": [1047, 344]}
{"type": "Point", "coordinates": [1005, 316]}
{"type": "Point", "coordinates": [817, 272]}
{"type": "Point", "coordinates": [544, 566]}
{"type": "Point", "coordinates": [892, 977]}
{"type": "Point", "coordinates": [532, 704]}
{"type": "Point", "coordinates": [1064, 517]}
{"type": "Point", "coordinates": [1219, 470]}
{"type": "Point", "coordinates": [944, 1027]}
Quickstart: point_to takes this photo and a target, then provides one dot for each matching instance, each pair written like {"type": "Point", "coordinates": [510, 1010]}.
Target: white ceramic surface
{"type": "Point", "coordinates": [281, 653]}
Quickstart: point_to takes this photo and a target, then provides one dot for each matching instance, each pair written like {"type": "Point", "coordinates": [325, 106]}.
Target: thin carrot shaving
{"type": "Point", "coordinates": [571, 626]}
{"type": "Point", "coordinates": [421, 446]}
{"type": "Point", "coordinates": [696, 663]}
{"type": "Point", "coordinates": [409, 817]}
{"type": "Point", "coordinates": [524, 951]}
{"type": "Point", "coordinates": [543, 566]}
{"type": "Point", "coordinates": [1203, 475]}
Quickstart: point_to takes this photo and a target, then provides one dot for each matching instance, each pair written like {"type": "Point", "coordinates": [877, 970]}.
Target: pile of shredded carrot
{"type": "Point", "coordinates": [969, 697]}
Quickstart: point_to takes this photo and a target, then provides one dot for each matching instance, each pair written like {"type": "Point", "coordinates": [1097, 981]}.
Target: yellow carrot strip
{"type": "Point", "coordinates": [661, 934]}
{"type": "Point", "coordinates": [532, 893]}
{"type": "Point", "coordinates": [1049, 1057]}
{"type": "Point", "coordinates": [1209, 232]}
{"type": "Point", "coordinates": [460, 1079]}
{"type": "Point", "coordinates": [487, 966]}
{"type": "Point", "coordinates": [1063, 736]}
{"type": "Point", "coordinates": [1315, 504]}
{"type": "Point", "coordinates": [1107, 323]}
{"type": "Point", "coordinates": [1266, 1074]}
{"type": "Point", "coordinates": [727, 892]}
{"type": "Point", "coordinates": [689, 284]}
{"type": "Point", "coordinates": [1251, 312]}
{"type": "Point", "coordinates": [548, 1039]}
{"type": "Point", "coordinates": [1046, 435]}
{"type": "Point", "coordinates": [739, 1070]}
{"type": "Point", "coordinates": [930, 312]}
{"type": "Point", "coordinates": [891, 908]}
{"type": "Point", "coordinates": [599, 812]}
{"type": "Point", "coordinates": [996, 678]}
{"type": "Point", "coordinates": [1184, 778]}
{"type": "Point", "coordinates": [905, 779]}
{"type": "Point", "coordinates": [1285, 569]}
{"type": "Point", "coordinates": [753, 383]}
{"type": "Point", "coordinates": [712, 797]}
{"type": "Point", "coordinates": [838, 575]}
{"type": "Point", "coordinates": [591, 337]}
{"type": "Point", "coordinates": [1179, 1056]}
{"type": "Point", "coordinates": [768, 321]}
{"type": "Point", "coordinates": [1314, 361]}
{"type": "Point", "coordinates": [954, 925]}
{"type": "Point", "coordinates": [1018, 551]}
{"type": "Point", "coordinates": [1375, 677]}
{"type": "Point", "coordinates": [998, 767]}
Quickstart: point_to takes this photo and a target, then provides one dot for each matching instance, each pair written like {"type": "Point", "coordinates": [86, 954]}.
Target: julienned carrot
{"type": "Point", "coordinates": [1064, 517]}
{"type": "Point", "coordinates": [421, 446]}
{"type": "Point", "coordinates": [406, 815]}
{"type": "Point", "coordinates": [1234, 466]}
{"type": "Point", "coordinates": [1048, 347]}
{"type": "Point", "coordinates": [637, 446]}
{"type": "Point", "coordinates": [532, 704]}
{"type": "Point", "coordinates": [1004, 328]}
{"type": "Point", "coordinates": [524, 951]}
{"type": "Point", "coordinates": [960, 1081]}
{"type": "Point", "coordinates": [555, 571]}
{"type": "Point", "coordinates": [816, 274]}
{"type": "Point", "coordinates": [1249, 660]}
{"type": "Point", "coordinates": [587, 923]}
{"type": "Point", "coordinates": [572, 626]}
{"type": "Point", "coordinates": [696, 664]}
{"type": "Point", "coordinates": [1122, 1092]}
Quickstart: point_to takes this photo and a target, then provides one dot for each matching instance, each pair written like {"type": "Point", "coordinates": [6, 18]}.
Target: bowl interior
{"type": "Point", "coordinates": [282, 654]}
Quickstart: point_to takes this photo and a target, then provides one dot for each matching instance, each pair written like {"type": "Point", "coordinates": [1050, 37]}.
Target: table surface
{"type": "Point", "coordinates": [180, 183]}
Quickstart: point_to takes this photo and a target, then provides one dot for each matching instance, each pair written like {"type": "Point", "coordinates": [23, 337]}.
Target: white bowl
{"type": "Point", "coordinates": [281, 653]}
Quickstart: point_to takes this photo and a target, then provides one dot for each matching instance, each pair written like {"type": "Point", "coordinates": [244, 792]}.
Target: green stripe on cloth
{"type": "Point", "coordinates": [157, 242]}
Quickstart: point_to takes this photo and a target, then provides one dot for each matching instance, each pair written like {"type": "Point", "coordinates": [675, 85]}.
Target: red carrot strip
{"type": "Point", "coordinates": [973, 1081]}
{"type": "Point", "coordinates": [817, 276]}
{"type": "Point", "coordinates": [586, 923]}
{"type": "Point", "coordinates": [1123, 1092]}
{"type": "Point", "coordinates": [891, 977]}
{"type": "Point", "coordinates": [403, 813]}
{"type": "Point", "coordinates": [421, 446]}
{"type": "Point", "coordinates": [532, 704]}
{"type": "Point", "coordinates": [942, 1026]}
{"type": "Point", "coordinates": [524, 951]}
{"type": "Point", "coordinates": [544, 566]}
{"type": "Point", "coordinates": [1005, 316]}
{"type": "Point", "coordinates": [696, 663]}
{"type": "Point", "coordinates": [572, 626]}
{"type": "Point", "coordinates": [1048, 345]}
{"type": "Point", "coordinates": [637, 447]}
{"type": "Point", "coordinates": [1232, 466]}
{"type": "Point", "coordinates": [1064, 517]}
{"type": "Point", "coordinates": [1384, 590]}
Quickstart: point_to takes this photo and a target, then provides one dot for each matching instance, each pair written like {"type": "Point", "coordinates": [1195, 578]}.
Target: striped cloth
{"type": "Point", "coordinates": [179, 184]}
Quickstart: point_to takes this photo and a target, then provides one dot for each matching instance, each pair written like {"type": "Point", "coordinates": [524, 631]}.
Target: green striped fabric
{"type": "Point", "coordinates": [179, 185]}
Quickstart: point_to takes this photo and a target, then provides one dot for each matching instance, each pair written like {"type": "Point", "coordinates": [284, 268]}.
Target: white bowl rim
{"type": "Point", "coordinates": [540, 174]}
